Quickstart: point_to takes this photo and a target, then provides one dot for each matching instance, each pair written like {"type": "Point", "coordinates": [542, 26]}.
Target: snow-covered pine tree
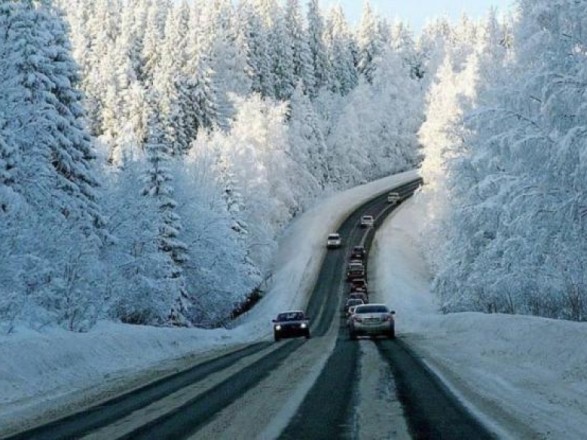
{"type": "Point", "coordinates": [282, 64]}
{"type": "Point", "coordinates": [303, 68]}
{"type": "Point", "coordinates": [158, 185]}
{"type": "Point", "coordinates": [46, 115]}
{"type": "Point", "coordinates": [402, 42]}
{"type": "Point", "coordinates": [221, 65]}
{"type": "Point", "coordinates": [154, 36]}
{"type": "Point", "coordinates": [54, 176]}
{"type": "Point", "coordinates": [370, 42]}
{"type": "Point", "coordinates": [257, 48]}
{"type": "Point", "coordinates": [318, 53]}
{"type": "Point", "coordinates": [170, 84]}
{"type": "Point", "coordinates": [307, 147]}
{"type": "Point", "coordinates": [339, 42]}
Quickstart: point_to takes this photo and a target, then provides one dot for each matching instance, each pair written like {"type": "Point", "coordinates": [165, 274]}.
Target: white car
{"type": "Point", "coordinates": [372, 320]}
{"type": "Point", "coordinates": [334, 241]}
{"type": "Point", "coordinates": [394, 198]}
{"type": "Point", "coordinates": [367, 221]}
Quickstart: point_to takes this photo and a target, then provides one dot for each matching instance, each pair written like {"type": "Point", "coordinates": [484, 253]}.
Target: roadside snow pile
{"type": "Point", "coordinates": [59, 370]}
{"type": "Point", "coordinates": [526, 377]}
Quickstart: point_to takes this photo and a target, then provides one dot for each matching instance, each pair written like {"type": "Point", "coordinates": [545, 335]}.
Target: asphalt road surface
{"type": "Point", "coordinates": [294, 389]}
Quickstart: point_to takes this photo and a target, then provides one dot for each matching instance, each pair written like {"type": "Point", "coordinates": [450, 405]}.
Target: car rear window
{"type": "Point", "coordinates": [371, 309]}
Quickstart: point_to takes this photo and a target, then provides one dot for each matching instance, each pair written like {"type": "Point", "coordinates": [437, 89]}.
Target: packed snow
{"type": "Point", "coordinates": [523, 376]}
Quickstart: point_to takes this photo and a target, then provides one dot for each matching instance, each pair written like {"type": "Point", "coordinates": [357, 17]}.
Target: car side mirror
{"type": "Point", "coordinates": [392, 312]}
{"type": "Point", "coordinates": [274, 320]}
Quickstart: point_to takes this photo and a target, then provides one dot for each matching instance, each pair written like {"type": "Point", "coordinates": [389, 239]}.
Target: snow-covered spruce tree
{"type": "Point", "coordinates": [340, 50]}
{"type": "Point", "coordinates": [303, 68]}
{"type": "Point", "coordinates": [172, 251]}
{"type": "Point", "coordinates": [169, 84]}
{"type": "Point", "coordinates": [282, 64]}
{"type": "Point", "coordinates": [402, 42]}
{"type": "Point", "coordinates": [318, 53]}
{"type": "Point", "coordinates": [137, 287]}
{"type": "Point", "coordinates": [257, 48]}
{"type": "Point", "coordinates": [154, 35]}
{"type": "Point", "coordinates": [307, 147]}
{"type": "Point", "coordinates": [54, 175]}
{"type": "Point", "coordinates": [199, 106]}
{"type": "Point", "coordinates": [224, 58]}
{"type": "Point", "coordinates": [370, 42]}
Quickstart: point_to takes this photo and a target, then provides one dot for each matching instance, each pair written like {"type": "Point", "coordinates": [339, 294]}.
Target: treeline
{"type": "Point", "coordinates": [505, 142]}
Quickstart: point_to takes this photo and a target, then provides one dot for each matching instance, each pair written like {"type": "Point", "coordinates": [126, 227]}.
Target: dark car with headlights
{"type": "Point", "coordinates": [290, 325]}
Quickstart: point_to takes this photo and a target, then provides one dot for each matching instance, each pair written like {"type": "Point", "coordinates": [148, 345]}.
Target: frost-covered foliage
{"type": "Point", "coordinates": [204, 128]}
{"type": "Point", "coordinates": [514, 168]}
{"type": "Point", "coordinates": [52, 227]}
{"type": "Point", "coordinates": [382, 115]}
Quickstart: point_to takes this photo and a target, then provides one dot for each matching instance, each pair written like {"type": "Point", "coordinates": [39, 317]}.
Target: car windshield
{"type": "Point", "coordinates": [333, 236]}
{"type": "Point", "coordinates": [354, 302]}
{"type": "Point", "coordinates": [371, 309]}
{"type": "Point", "coordinates": [290, 316]}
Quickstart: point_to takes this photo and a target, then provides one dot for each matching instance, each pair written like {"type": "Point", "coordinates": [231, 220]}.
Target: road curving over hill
{"type": "Point", "coordinates": [291, 389]}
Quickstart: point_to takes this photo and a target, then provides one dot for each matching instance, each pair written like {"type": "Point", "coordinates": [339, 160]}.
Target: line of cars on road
{"type": "Point", "coordinates": [362, 318]}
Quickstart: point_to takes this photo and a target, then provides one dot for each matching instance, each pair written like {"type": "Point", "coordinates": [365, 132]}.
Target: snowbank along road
{"type": "Point", "coordinates": [327, 387]}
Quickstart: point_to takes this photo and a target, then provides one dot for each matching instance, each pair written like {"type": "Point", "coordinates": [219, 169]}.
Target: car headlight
{"type": "Point", "coordinates": [277, 327]}
{"type": "Point", "coordinates": [304, 325]}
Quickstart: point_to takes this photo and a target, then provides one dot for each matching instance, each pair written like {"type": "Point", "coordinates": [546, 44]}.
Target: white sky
{"type": "Point", "coordinates": [417, 12]}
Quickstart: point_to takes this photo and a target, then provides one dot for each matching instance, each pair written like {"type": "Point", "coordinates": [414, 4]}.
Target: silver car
{"type": "Point", "coordinates": [372, 320]}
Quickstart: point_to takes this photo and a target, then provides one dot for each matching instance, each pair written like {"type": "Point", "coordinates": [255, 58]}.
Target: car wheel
{"type": "Point", "coordinates": [352, 336]}
{"type": "Point", "coordinates": [391, 333]}
{"type": "Point", "coordinates": [308, 335]}
{"type": "Point", "coordinates": [276, 338]}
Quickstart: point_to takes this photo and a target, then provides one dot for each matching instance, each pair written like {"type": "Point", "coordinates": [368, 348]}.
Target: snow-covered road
{"type": "Point", "coordinates": [523, 376]}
